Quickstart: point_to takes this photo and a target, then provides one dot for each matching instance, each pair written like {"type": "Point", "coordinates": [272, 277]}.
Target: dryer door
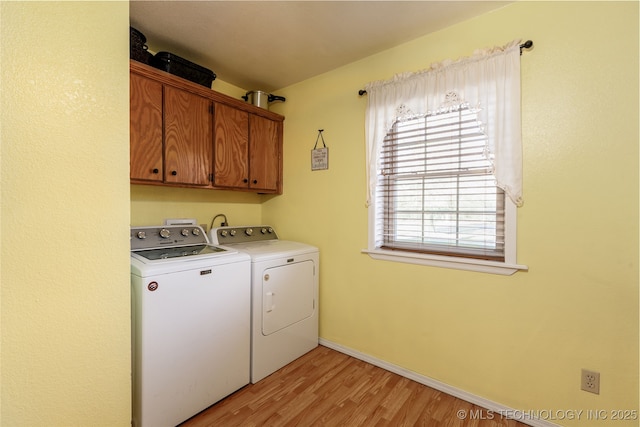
{"type": "Point", "coordinates": [287, 295]}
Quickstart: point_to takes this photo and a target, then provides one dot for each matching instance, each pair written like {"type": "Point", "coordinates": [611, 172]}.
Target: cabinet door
{"type": "Point", "coordinates": [231, 149]}
{"type": "Point", "coordinates": [188, 137]}
{"type": "Point", "coordinates": [265, 164]}
{"type": "Point", "coordinates": [145, 127]}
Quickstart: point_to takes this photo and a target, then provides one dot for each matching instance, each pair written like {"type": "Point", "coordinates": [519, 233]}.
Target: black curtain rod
{"type": "Point", "coordinates": [526, 45]}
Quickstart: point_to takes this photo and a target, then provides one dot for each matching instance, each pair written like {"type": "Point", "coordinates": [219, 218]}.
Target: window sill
{"type": "Point", "coordinates": [467, 264]}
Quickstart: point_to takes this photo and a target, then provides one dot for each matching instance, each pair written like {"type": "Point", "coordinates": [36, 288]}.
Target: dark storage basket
{"type": "Point", "coordinates": [182, 68]}
{"type": "Point", "coordinates": [137, 46]}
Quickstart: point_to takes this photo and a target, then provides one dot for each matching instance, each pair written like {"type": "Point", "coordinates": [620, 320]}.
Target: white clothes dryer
{"type": "Point", "coordinates": [284, 295]}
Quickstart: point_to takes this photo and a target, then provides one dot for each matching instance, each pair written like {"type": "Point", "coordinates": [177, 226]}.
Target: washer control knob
{"type": "Point", "coordinates": [248, 231]}
{"type": "Point", "coordinates": [141, 235]}
{"type": "Point", "coordinates": [232, 233]}
{"type": "Point", "coordinates": [264, 231]}
{"type": "Point", "coordinates": [269, 230]}
{"type": "Point", "coordinates": [223, 233]}
{"type": "Point", "coordinates": [164, 233]}
{"type": "Point", "coordinates": [195, 232]}
{"type": "Point", "coordinates": [184, 232]}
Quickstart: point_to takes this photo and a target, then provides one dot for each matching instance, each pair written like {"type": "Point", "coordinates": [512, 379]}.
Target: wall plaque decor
{"type": "Point", "coordinates": [320, 156]}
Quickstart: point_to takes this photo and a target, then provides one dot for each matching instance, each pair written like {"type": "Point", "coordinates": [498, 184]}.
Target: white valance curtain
{"type": "Point", "coordinates": [488, 81]}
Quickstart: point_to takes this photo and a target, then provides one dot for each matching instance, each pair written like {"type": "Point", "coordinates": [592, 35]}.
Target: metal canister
{"type": "Point", "coordinates": [261, 99]}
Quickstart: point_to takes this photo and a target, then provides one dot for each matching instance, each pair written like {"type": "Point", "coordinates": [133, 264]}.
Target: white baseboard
{"type": "Point", "coordinates": [495, 408]}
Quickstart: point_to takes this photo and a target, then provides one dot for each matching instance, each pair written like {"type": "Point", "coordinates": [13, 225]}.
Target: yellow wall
{"type": "Point", "coordinates": [65, 337]}
{"type": "Point", "coordinates": [151, 205]}
{"type": "Point", "coordinates": [520, 340]}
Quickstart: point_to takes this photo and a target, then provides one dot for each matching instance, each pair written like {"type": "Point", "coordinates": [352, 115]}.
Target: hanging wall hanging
{"type": "Point", "coordinates": [320, 156]}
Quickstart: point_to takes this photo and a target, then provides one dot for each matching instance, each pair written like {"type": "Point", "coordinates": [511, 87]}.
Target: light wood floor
{"type": "Point", "coordinates": [328, 388]}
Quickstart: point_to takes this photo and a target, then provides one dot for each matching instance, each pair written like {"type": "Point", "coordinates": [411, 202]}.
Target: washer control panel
{"type": "Point", "coordinates": [167, 235]}
{"type": "Point", "coordinates": [229, 235]}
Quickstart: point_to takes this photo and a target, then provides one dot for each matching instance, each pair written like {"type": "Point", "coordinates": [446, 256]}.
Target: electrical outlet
{"type": "Point", "coordinates": [590, 381]}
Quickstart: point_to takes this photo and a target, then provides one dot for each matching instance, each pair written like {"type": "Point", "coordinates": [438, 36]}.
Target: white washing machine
{"type": "Point", "coordinates": [190, 323]}
{"type": "Point", "coordinates": [284, 295]}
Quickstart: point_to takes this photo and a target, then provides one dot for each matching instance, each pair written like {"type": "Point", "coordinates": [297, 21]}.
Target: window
{"type": "Point", "coordinates": [444, 163]}
{"type": "Point", "coordinates": [437, 189]}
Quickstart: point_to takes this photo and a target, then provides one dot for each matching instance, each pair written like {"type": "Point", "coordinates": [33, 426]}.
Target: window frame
{"type": "Point", "coordinates": [456, 261]}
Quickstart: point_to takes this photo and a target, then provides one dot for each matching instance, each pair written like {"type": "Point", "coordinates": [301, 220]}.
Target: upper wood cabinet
{"type": "Point", "coordinates": [145, 127]}
{"type": "Point", "coordinates": [231, 149]}
{"type": "Point", "coordinates": [188, 137]}
{"type": "Point", "coordinates": [247, 150]}
{"type": "Point", "coordinates": [183, 134]}
{"type": "Point", "coordinates": [265, 140]}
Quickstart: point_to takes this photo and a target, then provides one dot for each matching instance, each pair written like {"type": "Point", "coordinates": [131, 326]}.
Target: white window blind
{"type": "Point", "coordinates": [437, 193]}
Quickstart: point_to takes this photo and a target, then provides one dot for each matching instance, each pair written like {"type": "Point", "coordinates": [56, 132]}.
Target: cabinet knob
{"type": "Point", "coordinates": [174, 173]}
{"type": "Point", "coordinates": [255, 181]}
{"type": "Point", "coordinates": [245, 180]}
{"type": "Point", "coordinates": [156, 170]}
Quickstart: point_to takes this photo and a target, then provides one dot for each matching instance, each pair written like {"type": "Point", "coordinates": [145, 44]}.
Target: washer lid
{"type": "Point", "coordinates": [141, 266]}
{"type": "Point", "coordinates": [178, 252]}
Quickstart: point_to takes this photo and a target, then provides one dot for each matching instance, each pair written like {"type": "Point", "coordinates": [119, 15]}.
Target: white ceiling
{"type": "Point", "coordinates": [268, 45]}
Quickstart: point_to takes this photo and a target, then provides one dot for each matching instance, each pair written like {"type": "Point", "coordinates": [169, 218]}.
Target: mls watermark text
{"type": "Point", "coordinates": [550, 414]}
